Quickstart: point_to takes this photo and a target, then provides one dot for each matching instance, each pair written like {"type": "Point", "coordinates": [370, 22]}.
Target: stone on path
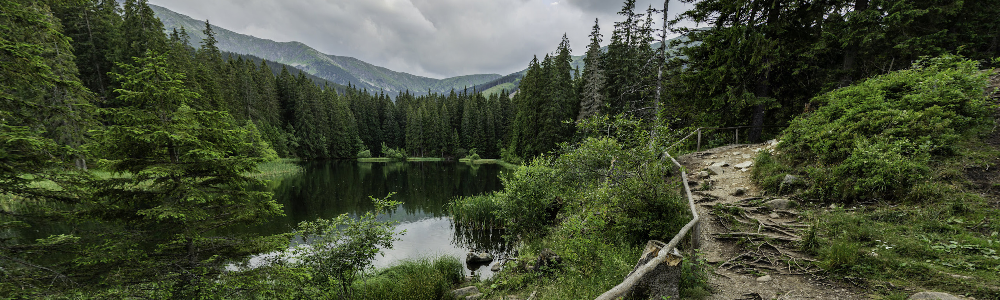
{"type": "Point", "coordinates": [764, 278]}
{"type": "Point", "coordinates": [720, 164]}
{"type": "Point", "coordinates": [474, 297]}
{"type": "Point", "coordinates": [702, 175]}
{"type": "Point", "coordinates": [744, 165]}
{"type": "Point", "coordinates": [933, 296]}
{"type": "Point", "coordinates": [496, 267]}
{"type": "Point", "coordinates": [462, 292]}
{"type": "Point", "coordinates": [713, 170]}
{"type": "Point", "coordinates": [739, 192]}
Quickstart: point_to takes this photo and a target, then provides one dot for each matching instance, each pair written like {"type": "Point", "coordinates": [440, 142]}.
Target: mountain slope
{"type": "Point", "coordinates": [337, 69]}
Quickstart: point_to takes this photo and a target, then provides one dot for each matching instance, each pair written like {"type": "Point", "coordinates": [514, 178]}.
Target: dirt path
{"type": "Point", "coordinates": [752, 241]}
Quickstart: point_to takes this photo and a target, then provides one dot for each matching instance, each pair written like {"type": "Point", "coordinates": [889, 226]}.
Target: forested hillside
{"type": "Point", "coordinates": [337, 69]}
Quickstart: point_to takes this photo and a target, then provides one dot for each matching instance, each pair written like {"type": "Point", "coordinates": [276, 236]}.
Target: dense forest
{"type": "Point", "coordinates": [139, 144]}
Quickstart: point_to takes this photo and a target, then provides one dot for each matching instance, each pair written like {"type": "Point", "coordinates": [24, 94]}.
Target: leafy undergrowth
{"type": "Point", "coordinates": [595, 205]}
{"type": "Point", "coordinates": [901, 176]}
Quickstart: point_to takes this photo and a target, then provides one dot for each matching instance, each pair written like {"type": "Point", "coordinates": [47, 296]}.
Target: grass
{"type": "Point", "coordinates": [913, 175]}
{"type": "Point", "coordinates": [375, 159]}
{"type": "Point", "coordinates": [477, 212]}
{"type": "Point", "coordinates": [429, 279]}
{"type": "Point", "coordinates": [488, 161]}
{"type": "Point", "coordinates": [419, 159]}
{"type": "Point", "coordinates": [278, 168]}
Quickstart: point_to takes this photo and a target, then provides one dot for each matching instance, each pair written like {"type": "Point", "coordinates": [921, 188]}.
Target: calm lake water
{"type": "Point", "coordinates": [327, 189]}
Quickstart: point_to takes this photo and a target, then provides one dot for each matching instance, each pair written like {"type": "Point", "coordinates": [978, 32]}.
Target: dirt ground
{"type": "Point", "coordinates": [751, 240]}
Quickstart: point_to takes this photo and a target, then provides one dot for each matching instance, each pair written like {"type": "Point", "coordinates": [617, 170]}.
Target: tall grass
{"type": "Point", "coordinates": [419, 279]}
{"type": "Point", "coordinates": [475, 212]}
{"type": "Point", "coordinates": [277, 168]}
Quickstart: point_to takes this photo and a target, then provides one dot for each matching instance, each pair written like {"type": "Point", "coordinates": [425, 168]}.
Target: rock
{"type": "Point", "coordinates": [790, 180]}
{"type": "Point", "coordinates": [702, 175]}
{"type": "Point", "coordinates": [714, 170]}
{"type": "Point", "coordinates": [462, 292]}
{"type": "Point", "coordinates": [764, 278]}
{"type": "Point", "coordinates": [933, 296]}
{"type": "Point", "coordinates": [774, 216]}
{"type": "Point", "coordinates": [739, 192]}
{"type": "Point", "coordinates": [532, 296]}
{"type": "Point", "coordinates": [547, 260]}
{"type": "Point", "coordinates": [474, 297]}
{"type": "Point", "coordinates": [720, 164]}
{"type": "Point", "coordinates": [496, 267]}
{"type": "Point", "coordinates": [744, 165]}
{"type": "Point", "coordinates": [780, 204]}
{"type": "Point", "coordinates": [469, 278]}
{"type": "Point", "coordinates": [478, 258]}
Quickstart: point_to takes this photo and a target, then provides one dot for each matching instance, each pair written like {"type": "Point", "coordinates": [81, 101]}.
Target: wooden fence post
{"type": "Point", "coordinates": [699, 139]}
{"type": "Point", "coordinates": [737, 135]}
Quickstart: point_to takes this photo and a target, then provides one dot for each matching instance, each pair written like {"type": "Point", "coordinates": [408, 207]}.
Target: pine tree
{"type": "Point", "coordinates": [186, 182]}
{"type": "Point", "coordinates": [592, 98]}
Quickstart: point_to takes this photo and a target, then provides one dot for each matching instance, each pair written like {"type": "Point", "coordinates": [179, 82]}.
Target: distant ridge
{"type": "Point", "coordinates": [341, 70]}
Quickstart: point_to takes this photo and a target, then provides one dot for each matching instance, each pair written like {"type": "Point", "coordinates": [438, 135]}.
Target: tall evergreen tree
{"type": "Point", "coordinates": [187, 182]}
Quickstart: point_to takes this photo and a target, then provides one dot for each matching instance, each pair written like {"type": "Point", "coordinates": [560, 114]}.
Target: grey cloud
{"type": "Point", "coordinates": [435, 38]}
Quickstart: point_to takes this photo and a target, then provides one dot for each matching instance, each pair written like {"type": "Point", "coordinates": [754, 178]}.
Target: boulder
{"type": "Point", "coordinates": [496, 267]}
{"type": "Point", "coordinates": [702, 175]}
{"type": "Point", "coordinates": [739, 192]}
{"type": "Point", "coordinates": [478, 258]}
{"type": "Point", "coordinates": [713, 170]}
{"type": "Point", "coordinates": [764, 278]}
{"type": "Point", "coordinates": [744, 165]}
{"type": "Point", "coordinates": [474, 297]}
{"type": "Point", "coordinates": [720, 164]}
{"type": "Point", "coordinates": [791, 180]}
{"type": "Point", "coordinates": [780, 204]}
{"type": "Point", "coordinates": [462, 292]}
{"type": "Point", "coordinates": [933, 296]}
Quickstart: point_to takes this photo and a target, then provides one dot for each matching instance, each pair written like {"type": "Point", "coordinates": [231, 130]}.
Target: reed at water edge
{"type": "Point", "coordinates": [476, 212]}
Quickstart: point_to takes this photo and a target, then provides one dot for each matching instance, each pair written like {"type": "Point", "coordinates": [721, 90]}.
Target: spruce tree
{"type": "Point", "coordinates": [180, 180]}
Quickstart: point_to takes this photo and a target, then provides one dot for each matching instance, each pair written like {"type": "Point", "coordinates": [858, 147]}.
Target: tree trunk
{"type": "Point", "coordinates": [851, 53]}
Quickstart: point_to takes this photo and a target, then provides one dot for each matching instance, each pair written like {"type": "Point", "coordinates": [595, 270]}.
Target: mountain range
{"type": "Point", "coordinates": [341, 70]}
{"type": "Point", "coordinates": [337, 69]}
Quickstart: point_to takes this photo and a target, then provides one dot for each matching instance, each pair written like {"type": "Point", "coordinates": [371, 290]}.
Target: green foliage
{"type": "Point", "coordinates": [184, 177]}
{"type": "Point", "coordinates": [393, 153]}
{"type": "Point", "coordinates": [413, 279]}
{"type": "Point", "coordinates": [878, 139]}
{"type": "Point", "coordinates": [476, 211]}
{"type": "Point", "coordinates": [339, 249]}
{"type": "Point", "coordinates": [364, 154]}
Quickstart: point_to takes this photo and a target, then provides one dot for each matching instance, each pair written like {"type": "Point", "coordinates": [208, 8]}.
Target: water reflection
{"type": "Point", "coordinates": [329, 188]}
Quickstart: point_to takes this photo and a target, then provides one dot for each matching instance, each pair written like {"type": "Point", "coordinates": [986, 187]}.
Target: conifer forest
{"type": "Point", "coordinates": [131, 154]}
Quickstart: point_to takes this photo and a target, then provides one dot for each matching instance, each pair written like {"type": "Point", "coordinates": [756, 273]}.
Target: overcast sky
{"type": "Point", "coordinates": [433, 38]}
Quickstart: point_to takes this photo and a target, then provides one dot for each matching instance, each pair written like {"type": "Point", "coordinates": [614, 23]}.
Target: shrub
{"type": "Point", "coordinates": [364, 154]}
{"type": "Point", "coordinates": [420, 279]}
{"type": "Point", "coordinates": [877, 139]}
{"type": "Point", "coordinates": [393, 153]}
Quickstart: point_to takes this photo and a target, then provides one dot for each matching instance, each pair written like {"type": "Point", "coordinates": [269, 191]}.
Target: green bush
{"type": "Point", "coordinates": [365, 154]}
{"type": "Point", "coordinates": [475, 211]}
{"type": "Point", "coordinates": [420, 279]}
{"type": "Point", "coordinates": [396, 154]}
{"type": "Point", "coordinates": [878, 139]}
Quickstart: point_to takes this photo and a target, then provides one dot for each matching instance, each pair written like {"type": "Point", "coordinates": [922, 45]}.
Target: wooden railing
{"type": "Point", "coordinates": [692, 227]}
{"type": "Point", "coordinates": [632, 280]}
